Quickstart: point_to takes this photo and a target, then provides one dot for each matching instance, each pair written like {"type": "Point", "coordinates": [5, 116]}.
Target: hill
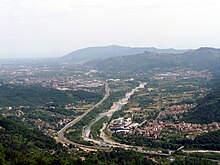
{"type": "Point", "coordinates": [17, 136]}
{"type": "Point", "coordinates": [138, 63]}
{"type": "Point", "coordinates": [207, 109]}
{"type": "Point", "coordinates": [35, 95]}
{"type": "Point", "coordinates": [19, 144]}
{"type": "Point", "coordinates": [104, 52]}
{"type": "Point", "coordinates": [203, 58]}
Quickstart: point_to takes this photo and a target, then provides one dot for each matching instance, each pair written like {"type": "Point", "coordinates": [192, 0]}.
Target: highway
{"type": "Point", "coordinates": [201, 151]}
{"type": "Point", "coordinates": [70, 124]}
{"type": "Point", "coordinates": [115, 107]}
{"type": "Point", "coordinates": [105, 143]}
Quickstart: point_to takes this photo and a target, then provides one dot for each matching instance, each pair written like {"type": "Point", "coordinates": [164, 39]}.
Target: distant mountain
{"type": "Point", "coordinates": [203, 58]}
{"type": "Point", "coordinates": [104, 52]}
{"type": "Point", "coordinates": [138, 63]}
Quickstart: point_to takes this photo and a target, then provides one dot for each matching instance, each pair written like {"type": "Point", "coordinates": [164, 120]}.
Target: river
{"type": "Point", "coordinates": [115, 107]}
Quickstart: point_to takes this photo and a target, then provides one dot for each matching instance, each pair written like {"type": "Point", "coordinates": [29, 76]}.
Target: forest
{"type": "Point", "coordinates": [207, 109]}
{"type": "Point", "coordinates": [35, 95]}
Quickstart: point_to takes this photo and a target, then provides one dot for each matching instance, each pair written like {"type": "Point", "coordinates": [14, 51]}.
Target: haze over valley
{"type": "Point", "coordinates": [71, 93]}
{"type": "Point", "coordinates": [155, 103]}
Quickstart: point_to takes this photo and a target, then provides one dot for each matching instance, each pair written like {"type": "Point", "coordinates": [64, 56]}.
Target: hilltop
{"type": "Point", "coordinates": [104, 52]}
{"type": "Point", "coordinates": [202, 58]}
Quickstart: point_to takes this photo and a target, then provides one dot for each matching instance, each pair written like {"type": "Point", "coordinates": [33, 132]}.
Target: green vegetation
{"type": "Point", "coordinates": [76, 135]}
{"type": "Point", "coordinates": [95, 128]}
{"type": "Point", "coordinates": [213, 156]}
{"type": "Point", "coordinates": [201, 59]}
{"type": "Point", "coordinates": [105, 106]}
{"type": "Point", "coordinates": [207, 109]}
{"type": "Point", "coordinates": [209, 141]}
{"type": "Point", "coordinates": [35, 95]}
{"type": "Point", "coordinates": [139, 140]}
{"type": "Point", "coordinates": [192, 161]}
{"type": "Point", "coordinates": [174, 86]}
{"type": "Point", "coordinates": [138, 63]}
{"type": "Point", "coordinates": [19, 137]}
{"type": "Point", "coordinates": [22, 145]}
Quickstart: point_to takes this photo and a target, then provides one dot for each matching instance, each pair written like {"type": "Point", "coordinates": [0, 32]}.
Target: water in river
{"type": "Point", "coordinates": [115, 107]}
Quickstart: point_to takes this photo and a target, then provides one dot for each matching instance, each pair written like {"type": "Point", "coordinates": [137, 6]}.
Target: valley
{"type": "Point", "coordinates": [159, 106]}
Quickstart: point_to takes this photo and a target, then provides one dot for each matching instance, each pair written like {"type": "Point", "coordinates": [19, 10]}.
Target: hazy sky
{"type": "Point", "coordinates": [56, 27]}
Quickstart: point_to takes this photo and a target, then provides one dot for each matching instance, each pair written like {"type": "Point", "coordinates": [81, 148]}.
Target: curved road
{"type": "Point", "coordinates": [115, 107]}
{"type": "Point", "coordinates": [106, 143]}
{"type": "Point", "coordinates": [70, 124]}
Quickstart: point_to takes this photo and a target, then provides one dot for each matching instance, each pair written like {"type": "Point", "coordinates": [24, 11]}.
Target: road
{"type": "Point", "coordinates": [105, 143]}
{"type": "Point", "coordinates": [115, 107]}
{"type": "Point", "coordinates": [70, 124]}
{"type": "Point", "coordinates": [201, 151]}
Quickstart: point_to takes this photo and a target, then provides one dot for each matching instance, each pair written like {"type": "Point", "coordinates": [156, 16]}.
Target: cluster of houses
{"type": "Point", "coordinates": [155, 128]}
{"type": "Point", "coordinates": [63, 121]}
{"type": "Point", "coordinates": [77, 85]}
{"type": "Point", "coordinates": [184, 74]}
{"type": "Point", "coordinates": [175, 110]}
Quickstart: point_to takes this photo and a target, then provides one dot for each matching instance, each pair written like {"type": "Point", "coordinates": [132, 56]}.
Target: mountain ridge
{"type": "Point", "coordinates": [104, 52]}
{"type": "Point", "coordinates": [205, 59]}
